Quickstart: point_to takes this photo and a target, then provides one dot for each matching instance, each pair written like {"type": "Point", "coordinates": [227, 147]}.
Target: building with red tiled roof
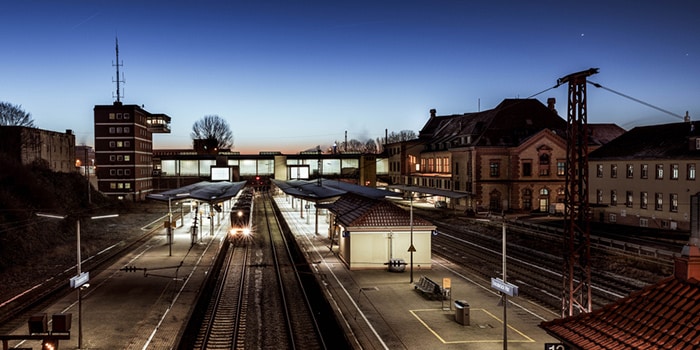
{"type": "Point", "coordinates": [370, 232]}
{"type": "Point", "coordinates": [665, 315]}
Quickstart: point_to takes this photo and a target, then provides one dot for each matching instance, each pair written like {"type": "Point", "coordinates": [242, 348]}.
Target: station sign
{"type": "Point", "coordinates": [505, 287]}
{"type": "Point", "coordinates": [79, 280]}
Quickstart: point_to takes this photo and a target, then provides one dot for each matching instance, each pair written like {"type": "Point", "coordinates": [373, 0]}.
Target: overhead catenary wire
{"type": "Point", "coordinates": [636, 100]}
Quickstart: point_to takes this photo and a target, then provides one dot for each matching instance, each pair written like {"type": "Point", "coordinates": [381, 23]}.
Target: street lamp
{"type": "Point", "coordinates": [79, 276]}
{"type": "Point", "coordinates": [411, 248]}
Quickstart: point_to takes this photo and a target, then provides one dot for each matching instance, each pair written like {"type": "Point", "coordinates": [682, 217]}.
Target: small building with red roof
{"type": "Point", "coordinates": [371, 232]}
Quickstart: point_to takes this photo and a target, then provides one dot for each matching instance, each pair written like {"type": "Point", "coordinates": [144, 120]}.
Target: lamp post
{"type": "Point", "coordinates": [78, 266]}
{"type": "Point", "coordinates": [411, 249]}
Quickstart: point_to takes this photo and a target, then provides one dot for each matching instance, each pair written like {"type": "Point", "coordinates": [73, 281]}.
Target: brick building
{"type": "Point", "coordinates": [124, 149]}
{"type": "Point", "coordinates": [29, 145]}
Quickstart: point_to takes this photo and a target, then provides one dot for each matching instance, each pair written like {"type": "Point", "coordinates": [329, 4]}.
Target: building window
{"type": "Point", "coordinates": [644, 171]}
{"type": "Point", "coordinates": [674, 202]}
{"type": "Point", "coordinates": [527, 168]}
{"type": "Point", "coordinates": [527, 199]}
{"type": "Point", "coordinates": [691, 172]}
{"type": "Point", "coordinates": [111, 130]}
{"type": "Point", "coordinates": [120, 185]}
{"type": "Point", "coordinates": [674, 171]}
{"type": "Point", "coordinates": [127, 158]}
{"type": "Point", "coordinates": [119, 130]}
{"type": "Point", "coordinates": [127, 185]}
{"type": "Point", "coordinates": [613, 197]}
{"type": "Point", "coordinates": [561, 168]}
{"type": "Point", "coordinates": [127, 172]}
{"type": "Point", "coordinates": [599, 170]}
{"type": "Point", "coordinates": [629, 199]}
{"type": "Point", "coordinates": [120, 144]}
{"type": "Point", "coordinates": [112, 186]}
{"type": "Point", "coordinates": [127, 144]}
{"type": "Point", "coordinates": [112, 172]}
{"type": "Point", "coordinates": [612, 218]}
{"type": "Point", "coordinates": [111, 116]}
{"type": "Point", "coordinates": [119, 116]}
{"type": "Point", "coordinates": [126, 116]}
{"type": "Point", "coordinates": [643, 222]}
{"type": "Point", "coordinates": [495, 169]}
{"type": "Point", "coordinates": [120, 172]}
{"type": "Point", "coordinates": [544, 164]}
{"type": "Point", "coordinates": [643, 200]}
{"type": "Point", "coordinates": [112, 157]}
{"type": "Point", "coordinates": [659, 201]}
{"type": "Point", "coordinates": [613, 171]}
{"type": "Point", "coordinates": [112, 144]}
{"type": "Point", "coordinates": [120, 158]}
{"type": "Point", "coordinates": [659, 171]}
{"type": "Point", "coordinates": [630, 171]}
{"type": "Point", "coordinates": [599, 196]}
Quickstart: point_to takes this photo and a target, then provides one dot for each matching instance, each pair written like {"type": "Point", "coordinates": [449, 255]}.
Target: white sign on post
{"type": "Point", "coordinates": [505, 287]}
{"type": "Point", "coordinates": [79, 280]}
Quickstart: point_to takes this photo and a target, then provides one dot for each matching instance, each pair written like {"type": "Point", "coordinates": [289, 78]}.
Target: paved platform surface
{"type": "Point", "coordinates": [382, 310]}
{"type": "Point", "coordinates": [378, 309]}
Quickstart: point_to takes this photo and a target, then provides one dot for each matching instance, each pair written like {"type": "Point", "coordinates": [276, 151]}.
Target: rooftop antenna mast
{"type": "Point", "coordinates": [118, 64]}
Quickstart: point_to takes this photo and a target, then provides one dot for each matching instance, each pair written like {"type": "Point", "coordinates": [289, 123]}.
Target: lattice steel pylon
{"type": "Point", "coordinates": [576, 292]}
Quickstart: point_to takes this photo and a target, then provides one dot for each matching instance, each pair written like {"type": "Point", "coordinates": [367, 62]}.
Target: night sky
{"type": "Point", "coordinates": [291, 75]}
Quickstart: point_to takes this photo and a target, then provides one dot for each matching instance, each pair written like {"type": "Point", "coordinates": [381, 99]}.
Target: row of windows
{"type": "Point", "coordinates": [119, 130]}
{"type": "Point", "coordinates": [120, 185]}
{"type": "Point", "coordinates": [120, 172]}
{"type": "Point", "coordinates": [120, 158]}
{"type": "Point", "coordinates": [643, 200]}
{"type": "Point", "coordinates": [119, 116]}
{"type": "Point", "coordinates": [644, 171]}
{"type": "Point", "coordinates": [142, 146]}
{"type": "Point", "coordinates": [435, 165]}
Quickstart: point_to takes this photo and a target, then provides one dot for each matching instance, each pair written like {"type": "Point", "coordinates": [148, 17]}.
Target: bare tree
{"type": "Point", "coordinates": [371, 147]}
{"type": "Point", "coordinates": [403, 135]}
{"type": "Point", "coordinates": [213, 131]}
{"type": "Point", "coordinates": [14, 115]}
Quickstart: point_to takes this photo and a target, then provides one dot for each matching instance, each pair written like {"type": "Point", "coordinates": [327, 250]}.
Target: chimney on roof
{"type": "Point", "coordinates": [432, 113]}
{"type": "Point", "coordinates": [687, 266]}
{"type": "Point", "coordinates": [687, 117]}
{"type": "Point", "coordinates": [550, 104]}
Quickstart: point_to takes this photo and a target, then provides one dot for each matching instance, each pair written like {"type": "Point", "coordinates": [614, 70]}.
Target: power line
{"type": "Point", "coordinates": [637, 100]}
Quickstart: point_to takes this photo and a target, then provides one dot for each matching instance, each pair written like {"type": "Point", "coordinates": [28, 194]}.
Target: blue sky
{"type": "Point", "coordinates": [290, 75]}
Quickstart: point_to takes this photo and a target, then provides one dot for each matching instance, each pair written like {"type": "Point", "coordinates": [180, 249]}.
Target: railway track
{"type": "Point", "coordinates": [258, 298]}
{"type": "Point", "coordinates": [537, 271]}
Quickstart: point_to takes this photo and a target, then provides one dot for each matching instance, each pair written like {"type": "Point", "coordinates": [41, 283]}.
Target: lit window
{"type": "Point", "coordinates": [127, 158]}
{"type": "Point", "coordinates": [127, 185]}
{"type": "Point", "coordinates": [629, 199]}
{"type": "Point", "coordinates": [599, 170]}
{"type": "Point", "coordinates": [613, 170]}
{"type": "Point", "coordinates": [643, 200]}
{"type": "Point", "coordinates": [120, 144]}
{"type": "Point", "coordinates": [644, 171]}
{"type": "Point", "coordinates": [111, 116]}
{"type": "Point", "coordinates": [561, 168]}
{"type": "Point", "coordinates": [495, 171]}
{"type": "Point", "coordinates": [659, 201]}
{"type": "Point", "coordinates": [659, 171]}
{"type": "Point", "coordinates": [674, 202]}
{"type": "Point", "coordinates": [674, 171]}
{"type": "Point", "coordinates": [112, 185]}
{"type": "Point", "coordinates": [691, 171]}
{"type": "Point", "coordinates": [613, 197]}
{"type": "Point", "coordinates": [599, 196]}
{"type": "Point", "coordinates": [630, 171]}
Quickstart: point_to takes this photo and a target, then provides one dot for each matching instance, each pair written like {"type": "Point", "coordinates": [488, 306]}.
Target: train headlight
{"type": "Point", "coordinates": [246, 231]}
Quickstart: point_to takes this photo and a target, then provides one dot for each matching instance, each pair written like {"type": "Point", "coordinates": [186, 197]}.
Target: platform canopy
{"type": "Point", "coordinates": [204, 191]}
{"type": "Point", "coordinates": [315, 190]}
{"type": "Point", "coordinates": [430, 191]}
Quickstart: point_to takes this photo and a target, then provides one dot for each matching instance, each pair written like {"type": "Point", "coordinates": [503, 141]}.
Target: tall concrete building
{"type": "Point", "coordinates": [124, 149]}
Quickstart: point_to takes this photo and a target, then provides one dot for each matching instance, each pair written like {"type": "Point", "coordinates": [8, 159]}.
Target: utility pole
{"type": "Point", "coordinates": [576, 291]}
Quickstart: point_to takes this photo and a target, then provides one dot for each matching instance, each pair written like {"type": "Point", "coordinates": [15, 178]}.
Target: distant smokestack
{"type": "Point", "coordinates": [687, 117]}
{"type": "Point", "coordinates": [551, 102]}
{"type": "Point", "coordinates": [432, 113]}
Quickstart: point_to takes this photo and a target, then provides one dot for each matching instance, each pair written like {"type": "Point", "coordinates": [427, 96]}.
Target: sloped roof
{"type": "Point", "coordinates": [205, 191]}
{"type": "Point", "coordinates": [509, 124]}
{"type": "Point", "coordinates": [357, 211]}
{"type": "Point", "coordinates": [665, 315]}
{"type": "Point", "coordinates": [652, 141]}
{"type": "Point", "coordinates": [602, 133]}
{"type": "Point", "coordinates": [314, 190]}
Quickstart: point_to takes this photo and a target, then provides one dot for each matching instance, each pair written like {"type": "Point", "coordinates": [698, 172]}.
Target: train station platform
{"type": "Point", "coordinates": [382, 310]}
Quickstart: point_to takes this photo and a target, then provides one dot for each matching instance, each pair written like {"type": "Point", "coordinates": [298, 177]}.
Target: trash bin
{"type": "Point", "coordinates": [462, 312]}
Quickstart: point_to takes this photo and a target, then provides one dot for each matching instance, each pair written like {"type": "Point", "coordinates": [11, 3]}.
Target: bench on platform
{"type": "Point", "coordinates": [430, 288]}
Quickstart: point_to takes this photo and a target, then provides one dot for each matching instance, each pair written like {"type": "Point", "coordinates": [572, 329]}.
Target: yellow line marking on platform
{"type": "Point", "coordinates": [493, 340]}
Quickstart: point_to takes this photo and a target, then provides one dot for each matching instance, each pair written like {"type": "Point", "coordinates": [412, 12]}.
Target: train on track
{"type": "Point", "coordinates": [242, 215]}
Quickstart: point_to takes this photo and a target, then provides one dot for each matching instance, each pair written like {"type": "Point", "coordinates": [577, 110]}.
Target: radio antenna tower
{"type": "Point", "coordinates": [120, 92]}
